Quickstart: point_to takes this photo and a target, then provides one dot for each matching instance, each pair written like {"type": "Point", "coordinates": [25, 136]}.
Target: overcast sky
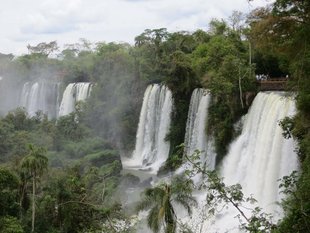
{"type": "Point", "coordinates": [25, 22]}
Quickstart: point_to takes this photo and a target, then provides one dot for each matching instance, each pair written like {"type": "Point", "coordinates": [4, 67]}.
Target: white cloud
{"type": "Point", "coordinates": [31, 22]}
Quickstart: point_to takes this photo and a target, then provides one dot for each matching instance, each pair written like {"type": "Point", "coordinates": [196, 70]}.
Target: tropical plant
{"type": "Point", "coordinates": [8, 192]}
{"type": "Point", "coordinates": [34, 164]}
{"type": "Point", "coordinates": [160, 200]}
{"type": "Point", "coordinates": [9, 224]}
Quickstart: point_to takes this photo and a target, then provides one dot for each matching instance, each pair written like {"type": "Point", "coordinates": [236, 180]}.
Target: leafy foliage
{"type": "Point", "coordinates": [9, 184]}
{"type": "Point", "coordinates": [9, 224]}
{"type": "Point", "coordinates": [283, 28]}
{"type": "Point", "coordinates": [160, 199]}
{"type": "Point", "coordinates": [220, 196]}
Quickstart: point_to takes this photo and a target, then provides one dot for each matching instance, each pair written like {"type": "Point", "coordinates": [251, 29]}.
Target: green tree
{"type": "Point", "coordinates": [34, 164]}
{"type": "Point", "coordinates": [8, 193]}
{"type": "Point", "coordinates": [67, 193]}
{"type": "Point", "coordinates": [160, 199]}
{"type": "Point", "coordinates": [219, 196]}
{"type": "Point", "coordinates": [284, 28]}
{"type": "Point", "coordinates": [222, 63]}
{"type": "Point", "coordinates": [181, 80]}
{"type": "Point", "coordinates": [9, 224]}
{"type": "Point", "coordinates": [43, 48]}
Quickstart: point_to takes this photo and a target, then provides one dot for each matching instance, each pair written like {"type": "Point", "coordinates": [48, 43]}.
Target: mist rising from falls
{"type": "Point", "coordinates": [73, 93]}
{"type": "Point", "coordinates": [151, 149]}
{"type": "Point", "coordinates": [259, 157]}
{"type": "Point", "coordinates": [40, 96]}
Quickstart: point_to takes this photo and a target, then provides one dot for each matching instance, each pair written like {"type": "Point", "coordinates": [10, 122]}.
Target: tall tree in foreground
{"type": "Point", "coordinates": [160, 199]}
{"type": "Point", "coordinates": [34, 164]}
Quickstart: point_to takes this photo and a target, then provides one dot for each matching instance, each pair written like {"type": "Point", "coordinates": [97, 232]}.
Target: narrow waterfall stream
{"type": "Point", "coordinates": [151, 149]}
{"type": "Point", "coordinates": [73, 93]}
{"type": "Point", "coordinates": [196, 139]}
{"type": "Point", "coordinates": [195, 136]}
{"type": "Point", "coordinates": [40, 96]}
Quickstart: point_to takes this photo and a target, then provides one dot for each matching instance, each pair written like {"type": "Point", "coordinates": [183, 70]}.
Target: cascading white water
{"type": "Point", "coordinates": [68, 100]}
{"type": "Point", "coordinates": [73, 93]}
{"type": "Point", "coordinates": [258, 158]}
{"type": "Point", "coordinates": [196, 139]}
{"type": "Point", "coordinates": [40, 96]}
{"type": "Point", "coordinates": [151, 149]}
{"type": "Point", "coordinates": [195, 136]}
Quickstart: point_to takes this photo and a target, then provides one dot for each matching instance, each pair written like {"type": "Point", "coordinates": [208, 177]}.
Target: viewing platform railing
{"type": "Point", "coordinates": [272, 84]}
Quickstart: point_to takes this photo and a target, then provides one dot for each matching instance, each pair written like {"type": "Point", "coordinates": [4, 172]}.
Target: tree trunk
{"type": "Point", "coordinates": [33, 203]}
{"type": "Point", "coordinates": [250, 57]}
{"type": "Point", "coordinates": [240, 88]}
{"type": "Point", "coordinates": [21, 199]}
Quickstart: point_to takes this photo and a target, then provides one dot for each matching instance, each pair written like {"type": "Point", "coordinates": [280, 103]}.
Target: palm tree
{"type": "Point", "coordinates": [159, 200]}
{"type": "Point", "coordinates": [34, 164]}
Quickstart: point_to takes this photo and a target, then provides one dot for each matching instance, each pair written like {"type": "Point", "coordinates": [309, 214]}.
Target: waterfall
{"type": "Point", "coordinates": [195, 136]}
{"type": "Point", "coordinates": [73, 93]}
{"type": "Point", "coordinates": [44, 96]}
{"type": "Point", "coordinates": [196, 139]}
{"type": "Point", "coordinates": [40, 96]}
{"type": "Point", "coordinates": [259, 157]}
{"type": "Point", "coordinates": [151, 149]}
{"type": "Point", "coordinates": [256, 159]}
